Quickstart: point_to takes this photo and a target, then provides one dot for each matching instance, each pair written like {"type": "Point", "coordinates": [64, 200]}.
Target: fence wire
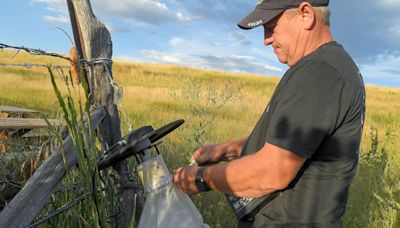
{"type": "Point", "coordinates": [33, 51]}
{"type": "Point", "coordinates": [118, 93]}
{"type": "Point", "coordinates": [30, 65]}
{"type": "Point", "coordinates": [59, 210]}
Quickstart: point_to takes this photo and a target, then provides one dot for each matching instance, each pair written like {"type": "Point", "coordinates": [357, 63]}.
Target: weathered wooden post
{"type": "Point", "coordinates": [94, 45]}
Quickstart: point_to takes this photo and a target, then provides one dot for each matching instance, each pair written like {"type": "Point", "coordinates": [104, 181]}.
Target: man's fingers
{"type": "Point", "coordinates": [197, 153]}
{"type": "Point", "coordinates": [202, 158]}
{"type": "Point", "coordinates": [183, 179]}
{"type": "Point", "coordinates": [176, 175]}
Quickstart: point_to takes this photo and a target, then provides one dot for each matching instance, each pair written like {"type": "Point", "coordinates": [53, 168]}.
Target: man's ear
{"type": "Point", "coordinates": [307, 15]}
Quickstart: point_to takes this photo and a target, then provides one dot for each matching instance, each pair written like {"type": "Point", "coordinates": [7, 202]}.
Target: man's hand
{"type": "Point", "coordinates": [184, 179]}
{"type": "Point", "coordinates": [217, 152]}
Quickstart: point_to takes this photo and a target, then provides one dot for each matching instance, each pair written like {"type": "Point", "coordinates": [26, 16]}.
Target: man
{"type": "Point", "coordinates": [306, 143]}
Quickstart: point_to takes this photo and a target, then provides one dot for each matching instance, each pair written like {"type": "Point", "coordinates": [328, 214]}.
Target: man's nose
{"type": "Point", "coordinates": [267, 37]}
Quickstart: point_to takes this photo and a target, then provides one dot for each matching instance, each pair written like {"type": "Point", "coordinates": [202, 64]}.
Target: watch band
{"type": "Point", "coordinates": [200, 182]}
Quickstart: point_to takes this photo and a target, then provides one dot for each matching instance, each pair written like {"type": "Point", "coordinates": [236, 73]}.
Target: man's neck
{"type": "Point", "coordinates": [318, 38]}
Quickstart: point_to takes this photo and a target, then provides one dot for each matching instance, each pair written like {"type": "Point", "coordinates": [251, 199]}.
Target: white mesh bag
{"type": "Point", "coordinates": [166, 206]}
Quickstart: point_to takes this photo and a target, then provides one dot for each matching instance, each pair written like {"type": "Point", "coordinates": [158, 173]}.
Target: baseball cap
{"type": "Point", "coordinates": [266, 10]}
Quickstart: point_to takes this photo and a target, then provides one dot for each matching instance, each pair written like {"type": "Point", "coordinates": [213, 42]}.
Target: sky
{"type": "Point", "coordinates": [203, 33]}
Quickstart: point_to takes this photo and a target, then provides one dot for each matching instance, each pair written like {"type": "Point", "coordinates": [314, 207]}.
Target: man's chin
{"type": "Point", "coordinates": [282, 60]}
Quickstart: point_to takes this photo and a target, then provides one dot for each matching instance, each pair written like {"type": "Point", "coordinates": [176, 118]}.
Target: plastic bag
{"type": "Point", "coordinates": [166, 206]}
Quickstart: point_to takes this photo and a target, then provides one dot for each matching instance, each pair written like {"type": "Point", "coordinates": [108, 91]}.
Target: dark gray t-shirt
{"type": "Point", "coordinates": [316, 112]}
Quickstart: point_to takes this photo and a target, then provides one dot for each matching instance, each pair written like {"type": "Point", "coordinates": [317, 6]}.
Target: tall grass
{"type": "Point", "coordinates": [93, 212]}
{"type": "Point", "coordinates": [98, 206]}
{"type": "Point", "coordinates": [375, 193]}
{"type": "Point", "coordinates": [218, 106]}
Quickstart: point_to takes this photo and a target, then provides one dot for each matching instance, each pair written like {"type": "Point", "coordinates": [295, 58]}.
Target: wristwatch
{"type": "Point", "coordinates": [200, 182]}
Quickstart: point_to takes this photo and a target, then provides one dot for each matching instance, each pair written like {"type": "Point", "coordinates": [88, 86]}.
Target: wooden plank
{"type": "Point", "coordinates": [26, 123]}
{"type": "Point", "coordinates": [29, 201]}
{"type": "Point", "coordinates": [38, 132]}
{"type": "Point", "coordinates": [14, 109]}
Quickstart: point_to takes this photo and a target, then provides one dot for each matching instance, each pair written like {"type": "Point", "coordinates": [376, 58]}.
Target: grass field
{"type": "Point", "coordinates": [218, 106]}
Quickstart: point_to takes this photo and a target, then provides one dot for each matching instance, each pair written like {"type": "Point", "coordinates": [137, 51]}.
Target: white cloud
{"type": "Point", "coordinates": [162, 57]}
{"type": "Point", "coordinates": [176, 41]}
{"type": "Point", "coordinates": [384, 68]}
{"type": "Point", "coordinates": [219, 11]}
{"type": "Point", "coordinates": [394, 32]}
{"type": "Point", "coordinates": [390, 4]}
{"type": "Point", "coordinates": [59, 6]}
{"type": "Point", "coordinates": [239, 38]}
{"type": "Point", "coordinates": [140, 11]}
{"type": "Point", "coordinates": [118, 29]}
{"type": "Point", "coordinates": [198, 54]}
{"type": "Point", "coordinates": [237, 63]}
{"type": "Point", "coordinates": [147, 11]}
{"type": "Point", "coordinates": [60, 19]}
{"type": "Point", "coordinates": [181, 17]}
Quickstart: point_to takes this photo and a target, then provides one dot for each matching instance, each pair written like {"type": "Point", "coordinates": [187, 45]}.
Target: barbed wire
{"type": "Point", "coordinates": [118, 93]}
{"type": "Point", "coordinates": [60, 210]}
{"type": "Point", "coordinates": [106, 62]}
{"type": "Point", "coordinates": [33, 51]}
{"type": "Point", "coordinates": [30, 65]}
{"type": "Point", "coordinates": [57, 68]}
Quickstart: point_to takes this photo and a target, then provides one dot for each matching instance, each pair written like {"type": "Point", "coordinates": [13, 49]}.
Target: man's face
{"type": "Point", "coordinates": [283, 35]}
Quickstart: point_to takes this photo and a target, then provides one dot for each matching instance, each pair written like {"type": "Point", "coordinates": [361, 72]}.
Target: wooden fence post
{"type": "Point", "coordinates": [93, 42]}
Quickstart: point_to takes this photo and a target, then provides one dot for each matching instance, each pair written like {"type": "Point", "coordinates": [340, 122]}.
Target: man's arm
{"type": "Point", "coordinates": [270, 169]}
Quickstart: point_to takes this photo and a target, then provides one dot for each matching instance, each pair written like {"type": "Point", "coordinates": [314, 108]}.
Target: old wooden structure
{"type": "Point", "coordinates": [37, 191]}
{"type": "Point", "coordinates": [94, 46]}
{"type": "Point", "coordinates": [26, 123]}
{"type": "Point", "coordinates": [17, 122]}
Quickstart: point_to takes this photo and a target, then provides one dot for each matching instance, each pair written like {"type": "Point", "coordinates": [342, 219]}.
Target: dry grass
{"type": "Point", "coordinates": [157, 94]}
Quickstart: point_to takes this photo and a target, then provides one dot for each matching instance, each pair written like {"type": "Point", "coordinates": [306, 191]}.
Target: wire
{"type": "Point", "coordinates": [33, 51]}
{"type": "Point", "coordinates": [60, 210]}
{"type": "Point", "coordinates": [30, 65]}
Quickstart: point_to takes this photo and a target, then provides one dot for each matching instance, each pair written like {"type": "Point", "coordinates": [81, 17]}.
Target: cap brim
{"type": "Point", "coordinates": [258, 17]}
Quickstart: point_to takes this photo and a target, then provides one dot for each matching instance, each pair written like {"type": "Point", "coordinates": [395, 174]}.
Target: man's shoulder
{"type": "Point", "coordinates": [313, 71]}
{"type": "Point", "coordinates": [328, 62]}
{"type": "Point", "coordinates": [334, 55]}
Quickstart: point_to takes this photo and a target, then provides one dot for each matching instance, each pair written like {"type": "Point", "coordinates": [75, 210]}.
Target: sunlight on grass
{"type": "Point", "coordinates": [157, 94]}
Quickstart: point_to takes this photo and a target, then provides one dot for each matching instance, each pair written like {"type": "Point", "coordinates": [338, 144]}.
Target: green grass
{"type": "Point", "coordinates": [218, 106]}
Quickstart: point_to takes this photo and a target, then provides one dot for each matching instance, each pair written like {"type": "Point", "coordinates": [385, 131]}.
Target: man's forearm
{"type": "Point", "coordinates": [242, 177]}
{"type": "Point", "coordinates": [270, 169]}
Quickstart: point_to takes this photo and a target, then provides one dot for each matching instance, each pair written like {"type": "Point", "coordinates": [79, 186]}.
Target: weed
{"type": "Point", "coordinates": [375, 193]}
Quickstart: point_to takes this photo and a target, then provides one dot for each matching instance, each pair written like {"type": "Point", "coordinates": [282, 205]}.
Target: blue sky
{"type": "Point", "coordinates": [203, 33]}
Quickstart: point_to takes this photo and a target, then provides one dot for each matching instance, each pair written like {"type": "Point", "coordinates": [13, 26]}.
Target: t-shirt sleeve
{"type": "Point", "coordinates": [307, 109]}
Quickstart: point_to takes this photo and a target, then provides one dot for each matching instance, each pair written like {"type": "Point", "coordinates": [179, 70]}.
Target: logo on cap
{"type": "Point", "coordinates": [254, 24]}
{"type": "Point", "coordinates": [259, 2]}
